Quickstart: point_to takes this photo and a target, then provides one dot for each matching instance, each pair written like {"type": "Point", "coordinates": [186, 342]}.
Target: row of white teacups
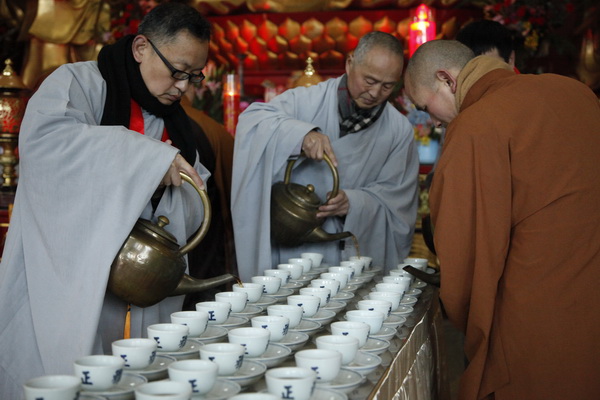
{"type": "Point", "coordinates": [99, 373]}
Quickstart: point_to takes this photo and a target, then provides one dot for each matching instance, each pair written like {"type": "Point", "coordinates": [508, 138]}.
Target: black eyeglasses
{"type": "Point", "coordinates": [176, 73]}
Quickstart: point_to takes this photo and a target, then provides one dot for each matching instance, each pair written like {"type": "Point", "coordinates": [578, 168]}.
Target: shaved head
{"type": "Point", "coordinates": [433, 56]}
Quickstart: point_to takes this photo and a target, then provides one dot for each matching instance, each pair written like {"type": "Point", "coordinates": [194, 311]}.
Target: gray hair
{"type": "Point", "coordinates": [167, 20]}
{"type": "Point", "coordinates": [433, 56]}
{"type": "Point", "coordinates": [377, 39]}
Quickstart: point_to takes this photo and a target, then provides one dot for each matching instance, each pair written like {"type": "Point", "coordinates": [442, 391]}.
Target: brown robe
{"type": "Point", "coordinates": [515, 201]}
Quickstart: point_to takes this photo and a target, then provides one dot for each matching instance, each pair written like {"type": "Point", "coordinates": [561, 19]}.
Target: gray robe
{"type": "Point", "coordinates": [378, 170]}
{"type": "Point", "coordinates": [81, 189]}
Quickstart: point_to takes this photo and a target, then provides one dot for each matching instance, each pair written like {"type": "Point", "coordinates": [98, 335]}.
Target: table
{"type": "Point", "coordinates": [413, 366]}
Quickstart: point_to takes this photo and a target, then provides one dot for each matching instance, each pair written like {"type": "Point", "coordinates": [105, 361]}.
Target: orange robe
{"type": "Point", "coordinates": [515, 201]}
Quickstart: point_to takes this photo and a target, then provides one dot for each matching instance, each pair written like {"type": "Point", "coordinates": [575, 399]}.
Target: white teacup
{"type": "Point", "coordinates": [373, 318]}
{"type": "Point", "coordinates": [346, 345]}
{"type": "Point", "coordinates": [254, 340]}
{"type": "Point", "coordinates": [195, 320]}
{"type": "Point", "coordinates": [359, 330]}
{"type": "Point", "coordinates": [316, 258]}
{"type": "Point", "coordinates": [163, 390]}
{"type": "Point", "coordinates": [291, 382]}
{"type": "Point", "coordinates": [253, 290]}
{"type": "Point", "coordinates": [228, 356]}
{"type": "Point", "coordinates": [383, 306]}
{"type": "Point", "coordinates": [404, 281]}
{"type": "Point", "coordinates": [323, 294]}
{"type": "Point", "coordinates": [305, 262]}
{"type": "Point", "coordinates": [237, 300]}
{"type": "Point", "coordinates": [218, 311]}
{"type": "Point", "coordinates": [280, 273]}
{"type": "Point", "coordinates": [419, 263]}
{"type": "Point", "coordinates": [52, 387]}
{"type": "Point", "coordinates": [99, 372]}
{"type": "Point", "coordinates": [325, 362]}
{"type": "Point", "coordinates": [290, 311]}
{"type": "Point", "coordinates": [345, 270]}
{"type": "Point", "coordinates": [390, 287]}
{"type": "Point", "coordinates": [331, 284]}
{"type": "Point", "coordinates": [365, 259]}
{"type": "Point", "coordinates": [271, 284]}
{"type": "Point", "coordinates": [342, 278]}
{"type": "Point", "coordinates": [357, 265]}
{"type": "Point", "coordinates": [400, 270]}
{"type": "Point", "coordinates": [199, 374]}
{"type": "Point", "coordinates": [392, 297]}
{"type": "Point", "coordinates": [277, 325]}
{"type": "Point", "coordinates": [138, 353]}
{"type": "Point", "coordinates": [169, 337]}
{"type": "Point", "coordinates": [310, 304]}
{"type": "Point", "coordinates": [296, 270]}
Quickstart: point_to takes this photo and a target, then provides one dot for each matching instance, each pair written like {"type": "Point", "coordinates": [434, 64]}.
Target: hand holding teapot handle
{"type": "Point", "coordinates": [315, 144]}
{"type": "Point", "coordinates": [179, 164]}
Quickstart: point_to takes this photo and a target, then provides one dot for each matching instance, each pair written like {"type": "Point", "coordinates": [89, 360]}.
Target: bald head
{"type": "Point", "coordinates": [434, 56]}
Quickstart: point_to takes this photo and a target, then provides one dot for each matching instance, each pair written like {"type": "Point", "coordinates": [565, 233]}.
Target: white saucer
{"type": "Point", "coordinates": [249, 311]}
{"type": "Point", "coordinates": [294, 340]}
{"type": "Point", "coordinates": [374, 269]}
{"type": "Point", "coordinates": [292, 285]}
{"type": "Point", "coordinates": [323, 393]}
{"type": "Point", "coordinates": [265, 301]}
{"type": "Point", "coordinates": [336, 306]}
{"type": "Point", "coordinates": [346, 381]}
{"type": "Point", "coordinates": [418, 285]}
{"type": "Point", "coordinates": [356, 281]}
{"type": "Point", "coordinates": [275, 354]}
{"type": "Point", "coordinates": [394, 321]}
{"type": "Point", "coordinates": [343, 296]}
{"type": "Point", "coordinates": [123, 390]}
{"type": "Point", "coordinates": [350, 288]}
{"type": "Point", "coordinates": [413, 292]}
{"type": "Point", "coordinates": [386, 333]}
{"type": "Point", "coordinates": [188, 351]}
{"type": "Point", "coordinates": [375, 346]}
{"type": "Point", "coordinates": [322, 316]}
{"type": "Point", "coordinates": [306, 326]}
{"type": "Point", "coordinates": [408, 301]}
{"type": "Point", "coordinates": [303, 280]}
{"type": "Point", "coordinates": [157, 370]}
{"type": "Point", "coordinates": [363, 278]}
{"type": "Point", "coordinates": [281, 293]}
{"type": "Point", "coordinates": [402, 311]}
{"type": "Point", "coordinates": [223, 389]}
{"type": "Point", "coordinates": [249, 373]}
{"type": "Point", "coordinates": [364, 363]}
{"type": "Point", "coordinates": [234, 322]}
{"type": "Point", "coordinates": [212, 334]}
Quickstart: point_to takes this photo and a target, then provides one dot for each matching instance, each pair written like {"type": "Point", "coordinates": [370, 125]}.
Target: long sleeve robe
{"type": "Point", "coordinates": [81, 189]}
{"type": "Point", "coordinates": [514, 201]}
{"type": "Point", "coordinates": [378, 169]}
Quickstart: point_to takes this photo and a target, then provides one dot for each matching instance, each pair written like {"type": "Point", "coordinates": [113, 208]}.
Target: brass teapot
{"type": "Point", "coordinates": [150, 265]}
{"type": "Point", "coordinates": [294, 210]}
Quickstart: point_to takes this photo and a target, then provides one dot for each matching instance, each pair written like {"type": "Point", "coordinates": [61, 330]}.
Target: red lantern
{"type": "Point", "coordinates": [422, 28]}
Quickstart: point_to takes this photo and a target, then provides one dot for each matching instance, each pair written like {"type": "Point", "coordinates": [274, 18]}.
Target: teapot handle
{"type": "Point", "coordinates": [199, 235]}
{"type": "Point", "coordinates": [334, 172]}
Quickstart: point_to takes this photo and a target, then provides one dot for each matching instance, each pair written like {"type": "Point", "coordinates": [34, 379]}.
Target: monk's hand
{"type": "Point", "coordinates": [315, 144]}
{"type": "Point", "coordinates": [337, 206]}
{"type": "Point", "coordinates": [178, 165]}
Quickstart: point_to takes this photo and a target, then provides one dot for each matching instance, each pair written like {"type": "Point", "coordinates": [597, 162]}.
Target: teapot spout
{"type": "Point", "coordinates": [319, 235]}
{"type": "Point", "coordinates": [189, 284]}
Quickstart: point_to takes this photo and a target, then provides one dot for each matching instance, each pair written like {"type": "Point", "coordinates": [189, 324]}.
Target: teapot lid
{"type": "Point", "coordinates": [303, 195]}
{"type": "Point", "coordinates": [157, 230]}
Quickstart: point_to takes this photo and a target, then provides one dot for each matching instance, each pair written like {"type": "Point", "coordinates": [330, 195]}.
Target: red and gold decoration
{"type": "Point", "coordinates": [13, 101]}
{"type": "Point", "coordinates": [422, 28]}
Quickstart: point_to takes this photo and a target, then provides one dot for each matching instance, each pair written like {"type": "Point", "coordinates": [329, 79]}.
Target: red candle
{"type": "Point", "coordinates": [231, 102]}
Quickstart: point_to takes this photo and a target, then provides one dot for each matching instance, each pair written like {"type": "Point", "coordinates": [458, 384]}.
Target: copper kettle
{"type": "Point", "coordinates": [150, 265]}
{"type": "Point", "coordinates": [294, 210]}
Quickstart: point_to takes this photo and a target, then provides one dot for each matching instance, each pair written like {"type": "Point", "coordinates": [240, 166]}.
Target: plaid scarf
{"type": "Point", "coordinates": [352, 118]}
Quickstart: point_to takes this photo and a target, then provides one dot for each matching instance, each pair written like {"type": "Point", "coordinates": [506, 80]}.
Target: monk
{"type": "Point", "coordinates": [514, 201]}
{"type": "Point", "coordinates": [371, 143]}
{"type": "Point", "coordinates": [101, 144]}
